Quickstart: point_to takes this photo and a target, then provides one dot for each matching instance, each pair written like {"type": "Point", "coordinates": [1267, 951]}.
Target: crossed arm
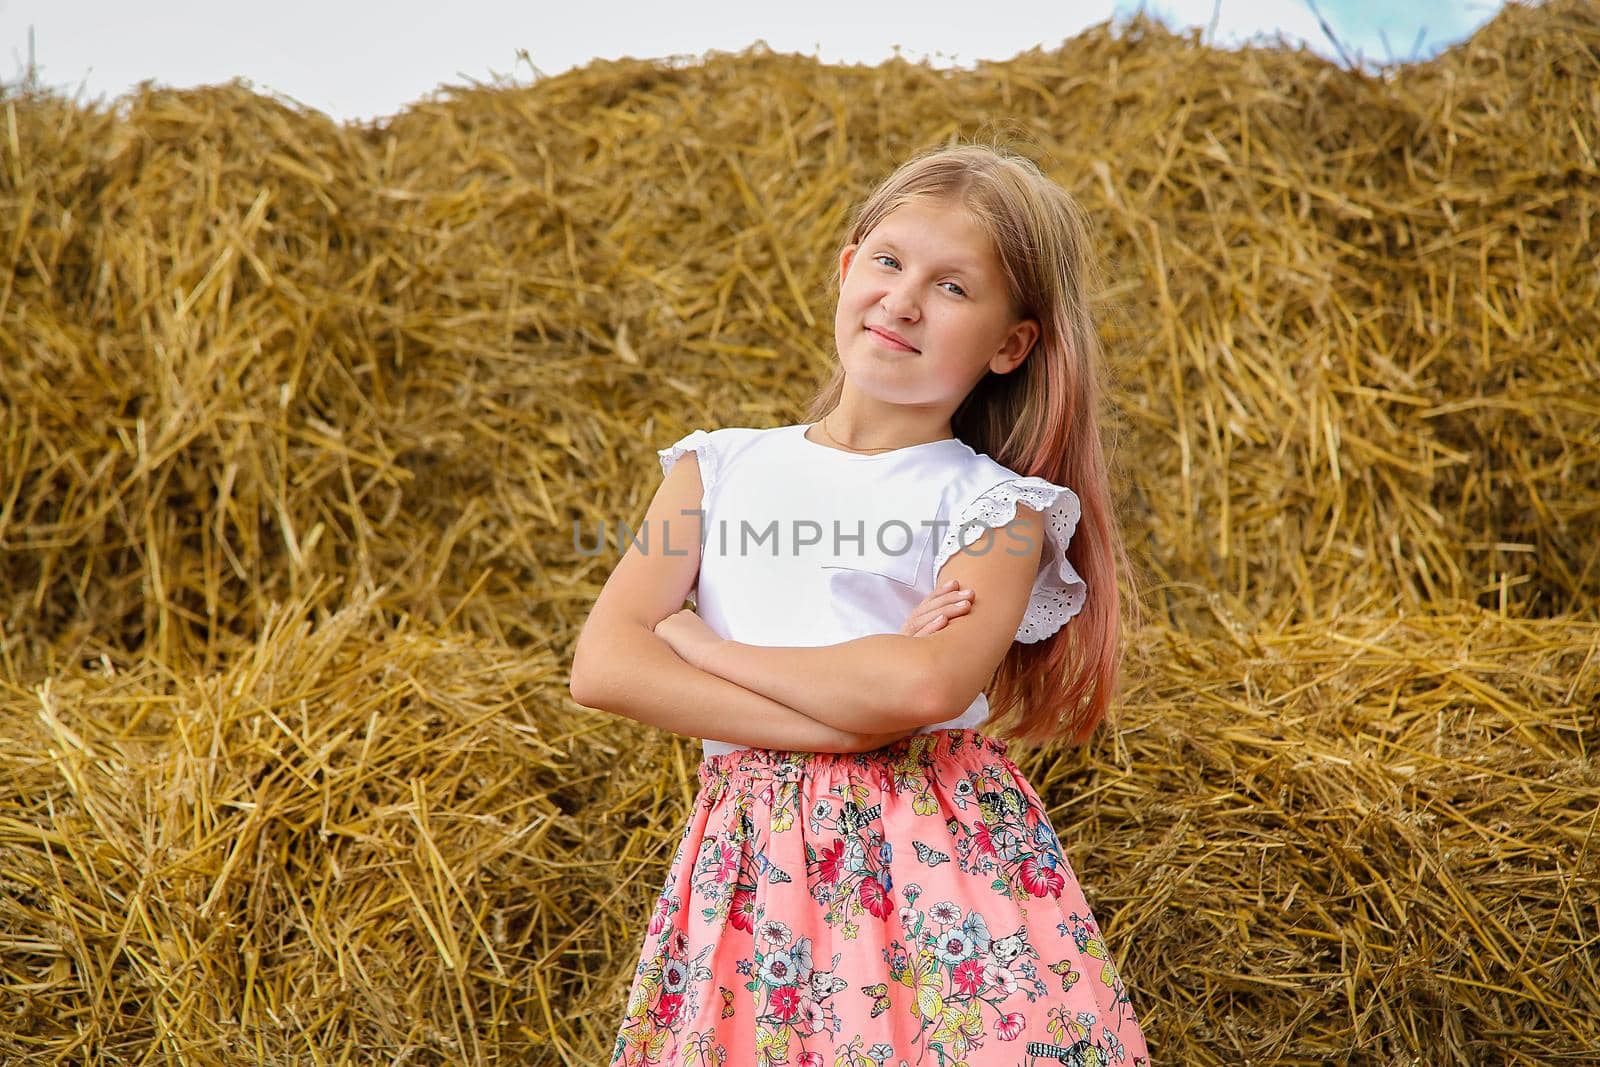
{"type": "Point", "coordinates": [640, 677]}
{"type": "Point", "coordinates": [641, 657]}
{"type": "Point", "coordinates": [879, 681]}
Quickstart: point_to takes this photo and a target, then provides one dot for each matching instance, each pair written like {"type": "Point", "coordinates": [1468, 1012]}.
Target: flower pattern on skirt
{"type": "Point", "coordinates": [906, 906]}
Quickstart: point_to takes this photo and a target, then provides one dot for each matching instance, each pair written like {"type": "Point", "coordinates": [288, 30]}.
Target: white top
{"type": "Point", "coordinates": [808, 545]}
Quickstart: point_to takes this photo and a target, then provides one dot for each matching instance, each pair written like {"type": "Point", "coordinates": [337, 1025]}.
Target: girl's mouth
{"type": "Point", "coordinates": [889, 342]}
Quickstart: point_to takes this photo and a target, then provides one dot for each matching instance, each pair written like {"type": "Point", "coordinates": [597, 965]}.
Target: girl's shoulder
{"type": "Point", "coordinates": [981, 469]}
{"type": "Point", "coordinates": [975, 476]}
{"type": "Point", "coordinates": [714, 449]}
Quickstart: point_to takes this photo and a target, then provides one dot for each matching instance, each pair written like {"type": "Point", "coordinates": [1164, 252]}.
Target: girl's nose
{"type": "Point", "coordinates": [898, 303]}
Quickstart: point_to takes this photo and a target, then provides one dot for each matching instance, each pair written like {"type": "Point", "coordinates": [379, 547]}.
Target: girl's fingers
{"type": "Point", "coordinates": [935, 611]}
{"type": "Point", "coordinates": [949, 602]}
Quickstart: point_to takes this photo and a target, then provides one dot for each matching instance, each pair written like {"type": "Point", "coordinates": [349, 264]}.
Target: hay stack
{"type": "Point", "coordinates": [298, 417]}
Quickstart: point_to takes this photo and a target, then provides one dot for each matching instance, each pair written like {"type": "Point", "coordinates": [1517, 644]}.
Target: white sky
{"type": "Point", "coordinates": [363, 58]}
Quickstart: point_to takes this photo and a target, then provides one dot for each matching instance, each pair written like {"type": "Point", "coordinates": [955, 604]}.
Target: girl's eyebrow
{"type": "Point", "coordinates": [957, 265]}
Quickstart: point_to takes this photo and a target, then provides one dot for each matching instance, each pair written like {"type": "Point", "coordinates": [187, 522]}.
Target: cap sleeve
{"type": "Point", "coordinates": [700, 443]}
{"type": "Point", "coordinates": [1058, 593]}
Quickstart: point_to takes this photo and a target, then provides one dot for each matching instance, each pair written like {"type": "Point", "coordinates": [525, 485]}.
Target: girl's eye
{"type": "Point", "coordinates": [884, 255]}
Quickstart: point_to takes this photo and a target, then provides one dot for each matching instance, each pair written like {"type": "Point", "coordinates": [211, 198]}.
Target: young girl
{"type": "Point", "coordinates": [867, 879]}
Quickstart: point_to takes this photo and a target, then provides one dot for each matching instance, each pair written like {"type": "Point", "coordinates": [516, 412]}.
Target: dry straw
{"type": "Point", "coordinates": [298, 419]}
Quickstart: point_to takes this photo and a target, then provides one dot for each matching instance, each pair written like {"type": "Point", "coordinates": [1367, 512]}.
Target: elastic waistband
{"type": "Point", "coordinates": [909, 752]}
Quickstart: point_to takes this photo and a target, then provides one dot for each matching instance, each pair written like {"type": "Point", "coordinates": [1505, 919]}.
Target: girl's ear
{"type": "Point", "coordinates": [1021, 341]}
{"type": "Point", "coordinates": [846, 257]}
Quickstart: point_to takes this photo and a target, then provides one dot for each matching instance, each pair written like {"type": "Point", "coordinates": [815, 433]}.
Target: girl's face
{"type": "Point", "coordinates": [928, 274]}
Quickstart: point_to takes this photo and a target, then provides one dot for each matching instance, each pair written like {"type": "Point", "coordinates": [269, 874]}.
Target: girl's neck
{"type": "Point", "coordinates": [838, 432]}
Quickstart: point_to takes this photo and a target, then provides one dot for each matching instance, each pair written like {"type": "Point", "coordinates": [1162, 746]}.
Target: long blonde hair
{"type": "Point", "coordinates": [1042, 419]}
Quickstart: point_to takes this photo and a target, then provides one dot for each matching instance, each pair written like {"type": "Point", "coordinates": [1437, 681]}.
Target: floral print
{"type": "Point", "coordinates": [904, 907]}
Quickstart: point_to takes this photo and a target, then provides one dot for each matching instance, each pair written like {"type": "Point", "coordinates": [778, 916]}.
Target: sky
{"type": "Point", "coordinates": [362, 59]}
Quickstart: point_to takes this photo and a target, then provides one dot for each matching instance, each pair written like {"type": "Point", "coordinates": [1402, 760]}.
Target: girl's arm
{"type": "Point", "coordinates": [642, 678]}
{"type": "Point", "coordinates": [875, 682]}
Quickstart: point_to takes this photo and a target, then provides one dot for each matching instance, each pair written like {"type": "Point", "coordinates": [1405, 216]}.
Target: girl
{"type": "Point", "coordinates": [866, 878]}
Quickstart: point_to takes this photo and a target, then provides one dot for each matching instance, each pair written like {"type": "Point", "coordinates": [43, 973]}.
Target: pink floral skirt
{"type": "Point", "coordinates": [910, 905]}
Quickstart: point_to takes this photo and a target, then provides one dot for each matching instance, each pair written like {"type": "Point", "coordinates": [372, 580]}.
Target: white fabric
{"type": "Point", "coordinates": [809, 545]}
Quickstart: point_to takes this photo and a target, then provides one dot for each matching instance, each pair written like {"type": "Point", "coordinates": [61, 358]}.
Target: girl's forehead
{"type": "Point", "coordinates": [939, 229]}
{"type": "Point", "coordinates": [916, 214]}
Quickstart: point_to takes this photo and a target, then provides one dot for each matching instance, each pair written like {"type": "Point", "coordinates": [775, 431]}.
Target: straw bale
{"type": "Point", "coordinates": [1350, 320]}
{"type": "Point", "coordinates": [1370, 841]}
{"type": "Point", "coordinates": [305, 430]}
{"type": "Point", "coordinates": [355, 837]}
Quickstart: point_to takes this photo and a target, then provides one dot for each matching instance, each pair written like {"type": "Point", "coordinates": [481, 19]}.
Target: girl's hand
{"type": "Point", "coordinates": [941, 605]}
{"type": "Point", "coordinates": [689, 636]}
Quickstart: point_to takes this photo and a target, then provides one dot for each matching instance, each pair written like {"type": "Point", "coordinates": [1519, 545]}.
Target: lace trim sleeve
{"type": "Point", "coordinates": [1058, 592]}
{"type": "Point", "coordinates": [698, 442]}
